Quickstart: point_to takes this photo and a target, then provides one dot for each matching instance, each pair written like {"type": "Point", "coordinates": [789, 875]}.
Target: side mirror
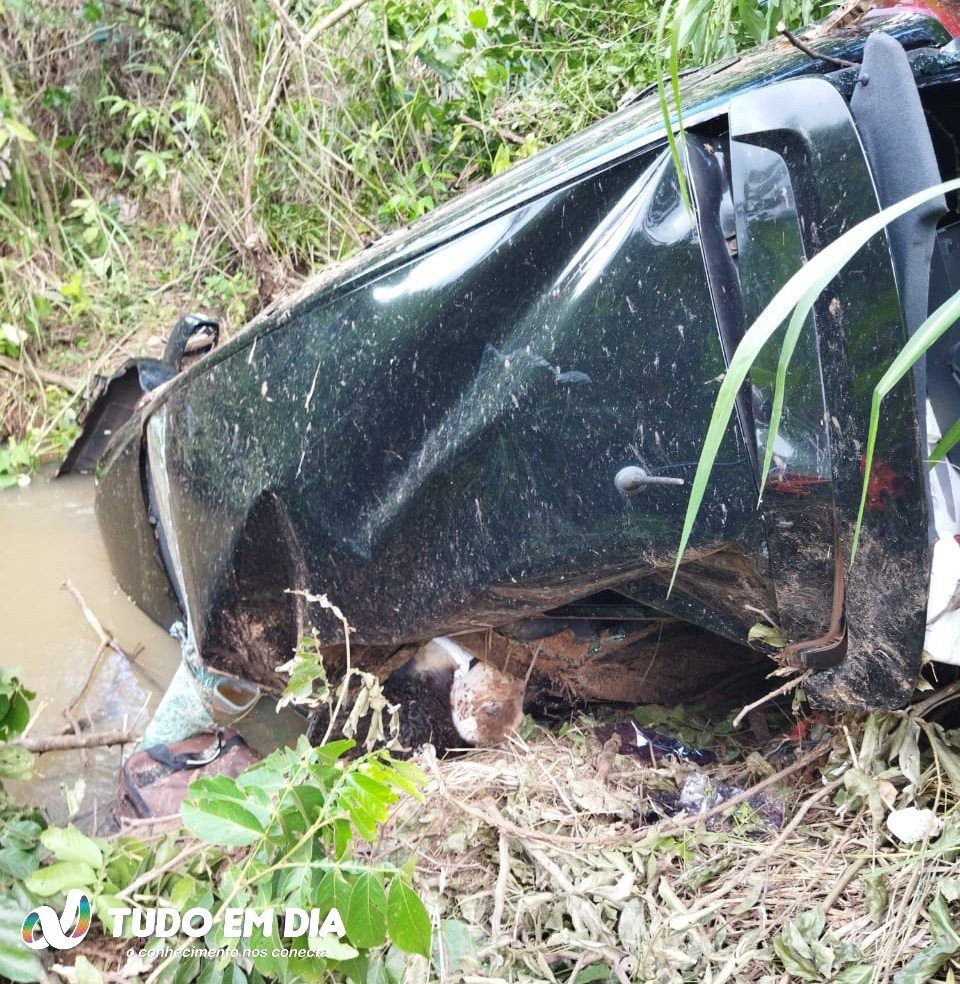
{"type": "Point", "coordinates": [190, 334]}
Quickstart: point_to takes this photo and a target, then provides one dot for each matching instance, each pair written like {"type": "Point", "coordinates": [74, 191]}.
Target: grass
{"type": "Point", "coordinates": [561, 857]}
{"type": "Point", "coordinates": [152, 165]}
{"type": "Point", "coordinates": [553, 859]}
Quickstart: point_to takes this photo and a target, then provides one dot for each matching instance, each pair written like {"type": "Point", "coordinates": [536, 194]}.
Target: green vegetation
{"type": "Point", "coordinates": [284, 834]}
{"type": "Point", "coordinates": [158, 158]}
{"type": "Point", "coordinates": [557, 858]}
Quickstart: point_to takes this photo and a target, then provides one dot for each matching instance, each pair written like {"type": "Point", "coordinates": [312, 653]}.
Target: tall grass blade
{"type": "Point", "coordinates": [946, 443]}
{"type": "Point", "coordinates": [790, 340]}
{"type": "Point", "coordinates": [802, 289]}
{"type": "Point", "coordinates": [918, 343]}
{"type": "Point", "coordinates": [674, 68]}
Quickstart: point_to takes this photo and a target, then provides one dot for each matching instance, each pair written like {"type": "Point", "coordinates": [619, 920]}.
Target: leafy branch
{"type": "Point", "coordinates": [280, 836]}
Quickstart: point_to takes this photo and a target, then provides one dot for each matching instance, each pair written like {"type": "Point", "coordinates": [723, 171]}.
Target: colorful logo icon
{"type": "Point", "coordinates": [43, 927]}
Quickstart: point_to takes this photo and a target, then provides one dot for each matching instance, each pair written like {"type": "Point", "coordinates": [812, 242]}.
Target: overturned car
{"type": "Point", "coordinates": [485, 427]}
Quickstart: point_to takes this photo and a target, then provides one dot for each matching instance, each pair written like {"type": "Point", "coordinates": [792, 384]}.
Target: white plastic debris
{"type": "Point", "coordinates": [910, 824]}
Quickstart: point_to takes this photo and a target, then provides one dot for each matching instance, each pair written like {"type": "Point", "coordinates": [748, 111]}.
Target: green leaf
{"type": "Point", "coordinates": [876, 895]}
{"type": "Point", "coordinates": [364, 919]}
{"type": "Point", "coordinates": [17, 863]}
{"type": "Point", "coordinates": [799, 292]}
{"type": "Point", "coordinates": [399, 774]}
{"type": "Point", "coordinates": [22, 133]}
{"type": "Point", "coordinates": [769, 635]}
{"type": "Point", "coordinates": [334, 750]}
{"type": "Point", "coordinates": [220, 821]}
{"type": "Point", "coordinates": [17, 716]}
{"type": "Point", "coordinates": [799, 318]}
{"type": "Point", "coordinates": [812, 923]}
{"type": "Point", "coordinates": [268, 964]}
{"type": "Point", "coordinates": [408, 922]}
{"type": "Point", "coordinates": [364, 823]}
{"type": "Point", "coordinates": [947, 760]}
{"type": "Point", "coordinates": [332, 948]}
{"type": "Point", "coordinates": [478, 18]}
{"type": "Point", "coordinates": [187, 970]}
{"type": "Point", "coordinates": [375, 789]}
{"type": "Point", "coordinates": [85, 972]}
{"type": "Point", "coordinates": [332, 892]}
{"type": "Point", "coordinates": [339, 838]}
{"type": "Point", "coordinates": [60, 877]}
{"type": "Point", "coordinates": [23, 833]}
{"type": "Point", "coordinates": [501, 160]}
{"type": "Point", "coordinates": [68, 844]}
{"type": "Point", "coordinates": [15, 763]}
{"type": "Point", "coordinates": [941, 924]}
{"type": "Point", "coordinates": [360, 970]}
{"type": "Point", "coordinates": [940, 321]}
{"type": "Point", "coordinates": [794, 954]}
{"type": "Point", "coordinates": [678, 12]}
{"type": "Point", "coordinates": [102, 905]}
{"type": "Point", "coordinates": [17, 963]}
{"type": "Point", "coordinates": [924, 966]}
{"type": "Point", "coordinates": [856, 974]}
{"type": "Point", "coordinates": [218, 786]}
{"type": "Point", "coordinates": [182, 891]}
{"type": "Point", "coordinates": [460, 948]}
{"type": "Point", "coordinates": [263, 776]}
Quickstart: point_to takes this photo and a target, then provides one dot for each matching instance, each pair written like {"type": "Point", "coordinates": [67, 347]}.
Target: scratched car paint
{"type": "Point", "coordinates": [486, 425]}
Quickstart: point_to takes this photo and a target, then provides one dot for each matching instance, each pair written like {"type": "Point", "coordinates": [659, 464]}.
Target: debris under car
{"type": "Point", "coordinates": [477, 436]}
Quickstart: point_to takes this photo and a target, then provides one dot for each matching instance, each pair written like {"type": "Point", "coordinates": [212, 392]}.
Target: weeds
{"type": "Point", "coordinates": [283, 835]}
{"type": "Point", "coordinates": [152, 162]}
{"type": "Point", "coordinates": [554, 858]}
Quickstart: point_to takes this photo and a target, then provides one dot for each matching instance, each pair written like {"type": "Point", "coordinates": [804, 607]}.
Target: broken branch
{"type": "Point", "coordinates": [106, 640]}
{"type": "Point", "coordinates": [779, 692]}
{"type": "Point", "coordinates": [812, 52]}
{"type": "Point", "coordinates": [44, 375]}
{"type": "Point", "coordinates": [61, 743]}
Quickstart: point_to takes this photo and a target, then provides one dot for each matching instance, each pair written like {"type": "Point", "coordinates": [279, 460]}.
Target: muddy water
{"type": "Point", "coordinates": [48, 535]}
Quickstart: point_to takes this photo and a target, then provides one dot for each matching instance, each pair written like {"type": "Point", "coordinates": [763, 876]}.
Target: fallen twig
{"type": "Point", "coordinates": [44, 375]}
{"type": "Point", "coordinates": [59, 743]}
{"type": "Point", "coordinates": [150, 828]}
{"type": "Point", "coordinates": [812, 52]}
{"type": "Point", "coordinates": [779, 692]}
{"type": "Point", "coordinates": [106, 640]}
{"type": "Point", "coordinates": [500, 891]}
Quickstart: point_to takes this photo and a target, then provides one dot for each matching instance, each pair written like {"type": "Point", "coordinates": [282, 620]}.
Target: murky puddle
{"type": "Point", "coordinates": [49, 535]}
